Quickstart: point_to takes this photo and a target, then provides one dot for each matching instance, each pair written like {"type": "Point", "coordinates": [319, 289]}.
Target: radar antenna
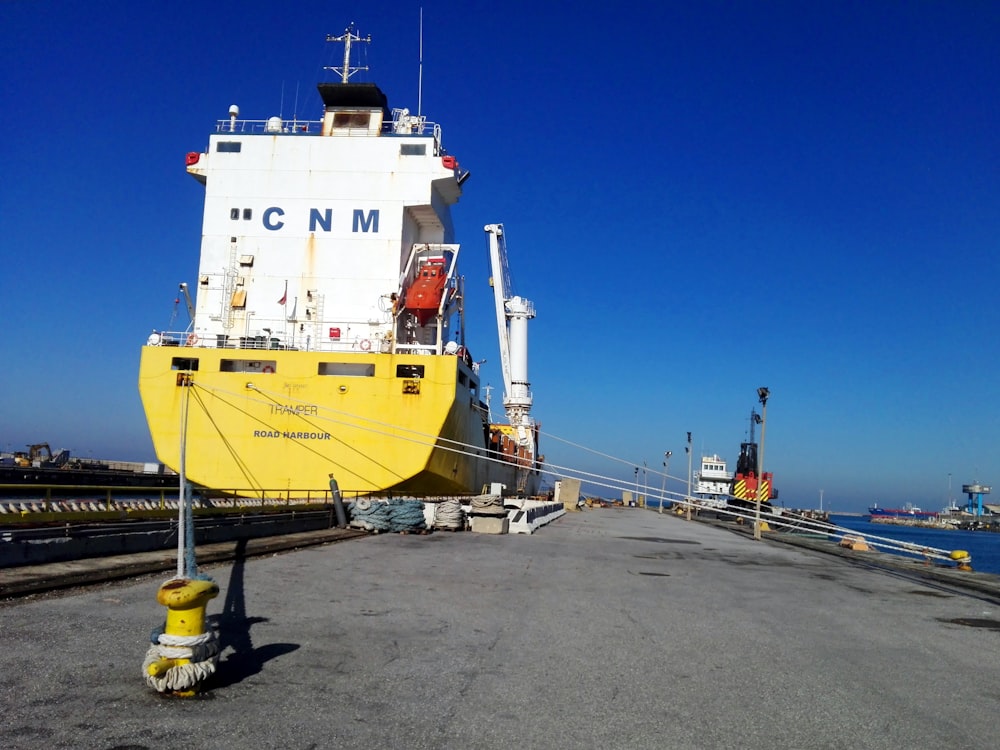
{"type": "Point", "coordinates": [346, 71]}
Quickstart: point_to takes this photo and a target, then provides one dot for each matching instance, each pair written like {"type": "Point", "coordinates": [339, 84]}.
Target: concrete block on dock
{"type": "Point", "coordinates": [567, 492]}
{"type": "Point", "coordinates": [490, 524]}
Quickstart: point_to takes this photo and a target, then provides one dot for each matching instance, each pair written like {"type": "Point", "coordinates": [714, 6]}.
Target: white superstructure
{"type": "Point", "coordinates": [714, 481]}
{"type": "Point", "coordinates": [299, 257]}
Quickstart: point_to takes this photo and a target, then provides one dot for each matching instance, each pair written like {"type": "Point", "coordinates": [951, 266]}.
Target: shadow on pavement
{"type": "Point", "coordinates": [234, 632]}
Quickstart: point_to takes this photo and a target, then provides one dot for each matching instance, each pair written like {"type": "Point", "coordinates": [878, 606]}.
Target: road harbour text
{"type": "Point", "coordinates": [291, 435]}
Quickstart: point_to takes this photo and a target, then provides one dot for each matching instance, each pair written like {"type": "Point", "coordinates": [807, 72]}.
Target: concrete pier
{"type": "Point", "coordinates": [612, 628]}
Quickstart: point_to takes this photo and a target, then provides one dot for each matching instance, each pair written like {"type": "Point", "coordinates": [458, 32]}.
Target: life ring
{"type": "Point", "coordinates": [365, 345]}
{"type": "Point", "coordinates": [267, 368]}
{"type": "Point", "coordinates": [192, 339]}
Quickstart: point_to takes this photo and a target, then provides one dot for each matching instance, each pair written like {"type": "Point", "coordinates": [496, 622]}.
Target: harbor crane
{"type": "Point", "coordinates": [513, 314]}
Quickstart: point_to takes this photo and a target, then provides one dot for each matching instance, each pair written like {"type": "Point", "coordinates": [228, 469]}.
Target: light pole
{"type": "Point", "coordinates": [688, 498]}
{"type": "Point", "coordinates": [666, 473]}
{"type": "Point", "coordinates": [636, 486]}
{"type": "Point", "coordinates": [762, 394]}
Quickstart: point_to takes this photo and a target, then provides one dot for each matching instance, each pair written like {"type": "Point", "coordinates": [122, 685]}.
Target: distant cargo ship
{"type": "Point", "coordinates": [910, 512]}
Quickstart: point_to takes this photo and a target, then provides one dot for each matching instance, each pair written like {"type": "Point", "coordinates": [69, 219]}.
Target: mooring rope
{"type": "Point", "coordinates": [406, 515]}
{"type": "Point", "coordinates": [487, 505]}
{"type": "Point", "coordinates": [202, 651]}
{"type": "Point", "coordinates": [448, 514]}
{"type": "Point", "coordinates": [370, 515]}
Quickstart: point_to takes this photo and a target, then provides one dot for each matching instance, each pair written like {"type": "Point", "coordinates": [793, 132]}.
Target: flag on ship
{"type": "Point", "coordinates": [284, 297]}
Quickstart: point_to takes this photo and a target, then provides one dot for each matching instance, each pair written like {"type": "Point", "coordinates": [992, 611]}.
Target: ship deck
{"type": "Point", "coordinates": [613, 628]}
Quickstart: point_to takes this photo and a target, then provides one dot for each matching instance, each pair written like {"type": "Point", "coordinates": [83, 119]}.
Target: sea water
{"type": "Point", "coordinates": [983, 546]}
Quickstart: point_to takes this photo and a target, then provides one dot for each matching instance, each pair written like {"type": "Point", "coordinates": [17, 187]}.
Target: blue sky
{"type": "Point", "coordinates": [700, 199]}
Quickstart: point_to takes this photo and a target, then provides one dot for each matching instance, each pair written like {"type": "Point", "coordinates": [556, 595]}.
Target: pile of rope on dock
{"type": "Point", "coordinates": [487, 505]}
{"type": "Point", "coordinates": [387, 515]}
{"type": "Point", "coordinates": [449, 515]}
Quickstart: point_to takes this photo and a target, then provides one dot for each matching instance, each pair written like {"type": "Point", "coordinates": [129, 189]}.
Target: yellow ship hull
{"type": "Point", "coordinates": [283, 421]}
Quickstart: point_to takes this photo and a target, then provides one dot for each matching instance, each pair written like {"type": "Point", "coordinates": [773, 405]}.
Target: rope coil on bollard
{"type": "Point", "coordinates": [200, 654]}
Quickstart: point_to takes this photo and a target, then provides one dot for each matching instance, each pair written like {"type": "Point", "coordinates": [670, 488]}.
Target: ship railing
{"type": "Point", "coordinates": [417, 348]}
{"type": "Point", "coordinates": [277, 126]}
{"type": "Point", "coordinates": [272, 126]}
{"type": "Point", "coordinates": [270, 342]}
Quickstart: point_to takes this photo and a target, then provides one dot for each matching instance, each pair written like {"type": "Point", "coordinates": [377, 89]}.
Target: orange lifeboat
{"type": "Point", "coordinates": [423, 298]}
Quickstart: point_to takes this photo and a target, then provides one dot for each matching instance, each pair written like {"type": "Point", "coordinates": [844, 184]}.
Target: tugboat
{"type": "Point", "coordinates": [328, 335]}
{"type": "Point", "coordinates": [746, 484]}
{"type": "Point", "coordinates": [714, 482]}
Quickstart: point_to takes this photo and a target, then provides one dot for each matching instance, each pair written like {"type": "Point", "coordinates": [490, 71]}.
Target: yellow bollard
{"type": "Point", "coordinates": [963, 559]}
{"type": "Point", "coordinates": [186, 601]}
{"type": "Point", "coordinates": [184, 635]}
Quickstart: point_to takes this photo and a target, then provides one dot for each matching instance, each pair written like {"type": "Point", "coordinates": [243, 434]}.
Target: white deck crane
{"type": "Point", "coordinates": [183, 289]}
{"type": "Point", "coordinates": [513, 314]}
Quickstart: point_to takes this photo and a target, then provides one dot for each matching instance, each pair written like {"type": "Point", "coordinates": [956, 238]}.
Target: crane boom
{"type": "Point", "coordinates": [187, 300]}
{"type": "Point", "coordinates": [513, 314]}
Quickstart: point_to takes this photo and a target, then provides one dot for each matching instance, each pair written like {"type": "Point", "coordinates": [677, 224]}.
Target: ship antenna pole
{"type": "Point", "coordinates": [420, 68]}
{"type": "Point", "coordinates": [347, 37]}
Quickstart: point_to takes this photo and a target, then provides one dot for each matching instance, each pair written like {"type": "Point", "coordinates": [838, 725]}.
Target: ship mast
{"type": "Point", "coordinates": [347, 37]}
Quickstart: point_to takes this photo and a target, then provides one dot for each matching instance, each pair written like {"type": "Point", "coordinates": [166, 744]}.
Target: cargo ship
{"type": "Point", "coordinates": [908, 512]}
{"type": "Point", "coordinates": [328, 334]}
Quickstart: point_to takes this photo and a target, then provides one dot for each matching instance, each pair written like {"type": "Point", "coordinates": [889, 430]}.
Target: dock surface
{"type": "Point", "coordinates": [613, 628]}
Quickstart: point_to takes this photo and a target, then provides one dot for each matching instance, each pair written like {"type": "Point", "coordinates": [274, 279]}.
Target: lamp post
{"type": "Point", "coordinates": [688, 498]}
{"type": "Point", "coordinates": [636, 499]}
{"type": "Point", "coordinates": [666, 473]}
{"type": "Point", "coordinates": [762, 394]}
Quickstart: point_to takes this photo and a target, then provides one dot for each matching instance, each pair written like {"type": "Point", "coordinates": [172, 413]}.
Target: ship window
{"type": "Point", "coordinates": [234, 213]}
{"type": "Point", "coordinates": [247, 214]}
{"type": "Point", "coordinates": [265, 366]}
{"type": "Point", "coordinates": [232, 147]}
{"type": "Point", "coordinates": [409, 371]}
{"type": "Point", "coordinates": [351, 119]}
{"type": "Point", "coordinates": [347, 369]}
{"type": "Point", "coordinates": [184, 363]}
{"type": "Point", "coordinates": [239, 299]}
{"type": "Point", "coordinates": [413, 149]}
